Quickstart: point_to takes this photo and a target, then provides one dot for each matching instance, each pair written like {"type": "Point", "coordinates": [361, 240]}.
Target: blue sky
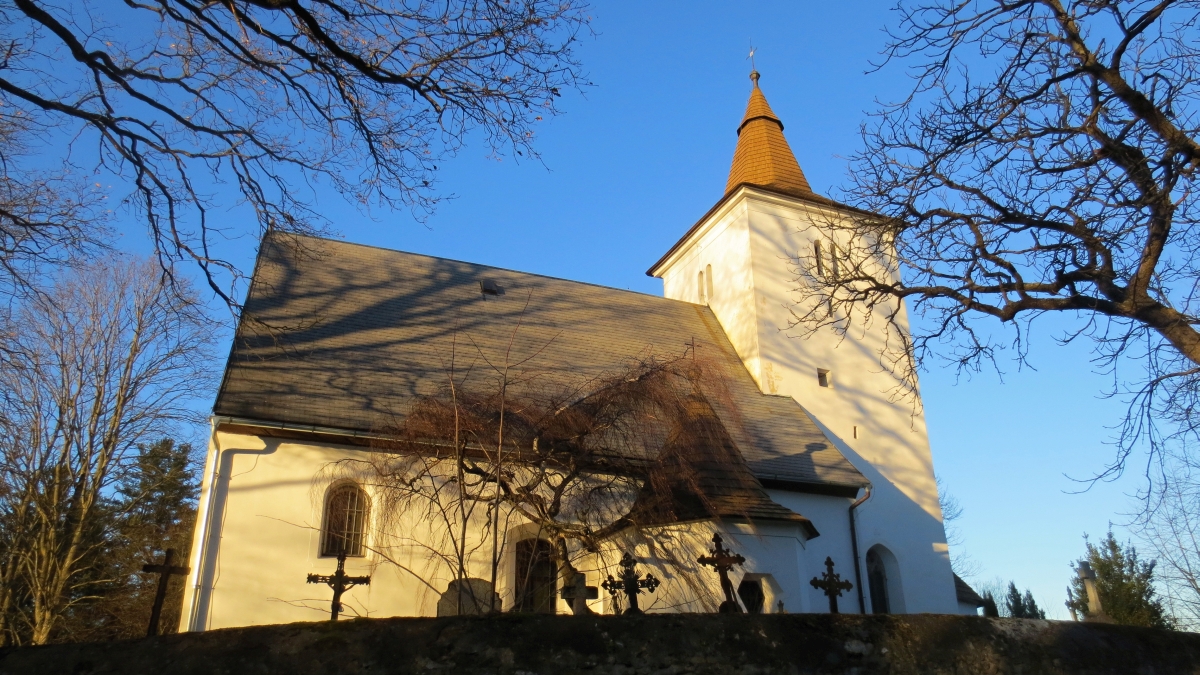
{"type": "Point", "coordinates": [642, 155]}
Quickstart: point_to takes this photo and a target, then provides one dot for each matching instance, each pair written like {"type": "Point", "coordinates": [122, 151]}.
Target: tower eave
{"type": "Point", "coordinates": [746, 189]}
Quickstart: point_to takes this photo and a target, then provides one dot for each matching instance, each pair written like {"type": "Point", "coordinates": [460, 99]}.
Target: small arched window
{"type": "Point", "coordinates": [700, 286]}
{"type": "Point", "coordinates": [536, 576]}
{"type": "Point", "coordinates": [708, 281]}
{"type": "Point", "coordinates": [877, 581]}
{"type": "Point", "coordinates": [817, 257]}
{"type": "Point", "coordinates": [345, 523]}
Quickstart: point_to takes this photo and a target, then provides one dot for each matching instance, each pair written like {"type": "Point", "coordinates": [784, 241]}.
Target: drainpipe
{"type": "Point", "coordinates": [198, 556]}
{"type": "Point", "coordinates": [862, 605]}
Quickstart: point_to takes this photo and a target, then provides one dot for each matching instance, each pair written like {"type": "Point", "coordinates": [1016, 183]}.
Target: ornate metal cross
{"type": "Point", "coordinates": [340, 582]}
{"type": "Point", "coordinates": [723, 560]}
{"type": "Point", "coordinates": [630, 583]}
{"type": "Point", "coordinates": [832, 584]}
{"type": "Point", "coordinates": [164, 572]}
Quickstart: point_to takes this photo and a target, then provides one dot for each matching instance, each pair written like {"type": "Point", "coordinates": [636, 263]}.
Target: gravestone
{"type": "Point", "coordinates": [468, 596]}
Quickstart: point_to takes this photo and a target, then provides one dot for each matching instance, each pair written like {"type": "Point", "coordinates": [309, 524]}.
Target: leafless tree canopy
{"type": "Point", "coordinates": [512, 444]}
{"type": "Point", "coordinates": [106, 359]}
{"type": "Point", "coordinates": [1044, 163]}
{"type": "Point", "coordinates": [173, 97]}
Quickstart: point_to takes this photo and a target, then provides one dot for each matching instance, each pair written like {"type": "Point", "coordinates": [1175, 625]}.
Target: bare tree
{"type": "Point", "coordinates": [583, 461]}
{"type": "Point", "coordinates": [108, 358]}
{"type": "Point", "coordinates": [1043, 164]}
{"type": "Point", "coordinates": [173, 97]}
{"type": "Point", "coordinates": [1172, 530]}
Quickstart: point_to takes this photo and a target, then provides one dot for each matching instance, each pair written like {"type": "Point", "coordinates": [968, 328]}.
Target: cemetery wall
{"type": "Point", "coordinates": [603, 645]}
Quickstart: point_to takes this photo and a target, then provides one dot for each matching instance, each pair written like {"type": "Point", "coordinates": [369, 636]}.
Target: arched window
{"type": "Point", "coordinates": [535, 577]}
{"type": "Point", "coordinates": [345, 522]}
{"type": "Point", "coordinates": [817, 257]}
{"type": "Point", "coordinates": [877, 581]}
{"type": "Point", "coordinates": [708, 281]}
{"type": "Point", "coordinates": [883, 581]}
{"type": "Point", "coordinates": [700, 286]}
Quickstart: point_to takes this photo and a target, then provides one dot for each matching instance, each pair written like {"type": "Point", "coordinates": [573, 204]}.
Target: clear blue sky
{"type": "Point", "coordinates": [645, 153]}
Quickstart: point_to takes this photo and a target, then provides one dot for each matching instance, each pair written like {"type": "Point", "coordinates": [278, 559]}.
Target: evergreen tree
{"type": "Point", "coordinates": [1022, 606]}
{"type": "Point", "coordinates": [154, 509]}
{"type": "Point", "coordinates": [989, 605]}
{"type": "Point", "coordinates": [1125, 585]}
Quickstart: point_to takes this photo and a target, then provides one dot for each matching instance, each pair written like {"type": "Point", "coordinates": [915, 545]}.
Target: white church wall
{"type": "Point", "coordinates": [885, 440]}
{"type": "Point", "coordinates": [775, 556]}
{"type": "Point", "coordinates": [718, 247]}
{"type": "Point", "coordinates": [260, 538]}
{"type": "Point", "coordinates": [262, 505]}
{"type": "Point", "coordinates": [830, 515]}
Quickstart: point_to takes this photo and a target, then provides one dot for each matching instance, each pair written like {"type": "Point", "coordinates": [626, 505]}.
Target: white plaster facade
{"type": "Point", "coordinates": [260, 510]}
{"type": "Point", "coordinates": [748, 242]}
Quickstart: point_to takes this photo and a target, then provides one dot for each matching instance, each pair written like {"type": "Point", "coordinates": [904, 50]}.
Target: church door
{"type": "Point", "coordinates": [535, 577]}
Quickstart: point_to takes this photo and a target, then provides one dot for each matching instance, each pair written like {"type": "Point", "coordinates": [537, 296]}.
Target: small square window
{"type": "Point", "coordinates": [822, 377]}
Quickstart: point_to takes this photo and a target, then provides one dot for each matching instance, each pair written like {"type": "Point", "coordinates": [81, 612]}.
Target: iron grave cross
{"type": "Point", "coordinates": [164, 572]}
{"type": "Point", "coordinates": [340, 582]}
{"type": "Point", "coordinates": [630, 583]}
{"type": "Point", "coordinates": [831, 584]}
{"type": "Point", "coordinates": [723, 560]}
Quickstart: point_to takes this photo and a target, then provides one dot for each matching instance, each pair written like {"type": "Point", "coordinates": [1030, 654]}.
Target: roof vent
{"type": "Point", "coordinates": [490, 287]}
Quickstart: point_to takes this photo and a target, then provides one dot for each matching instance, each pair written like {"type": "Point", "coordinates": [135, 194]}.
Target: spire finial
{"type": "Point", "coordinates": [753, 70]}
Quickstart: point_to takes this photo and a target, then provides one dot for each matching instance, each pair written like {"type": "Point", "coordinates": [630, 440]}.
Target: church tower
{"type": "Point", "coordinates": [737, 260]}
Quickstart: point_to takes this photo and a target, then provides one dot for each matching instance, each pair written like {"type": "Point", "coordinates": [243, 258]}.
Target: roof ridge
{"type": "Point", "coordinates": [492, 267]}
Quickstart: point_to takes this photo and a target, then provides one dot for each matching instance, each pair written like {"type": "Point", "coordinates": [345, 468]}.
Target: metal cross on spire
{"type": "Point", "coordinates": [751, 57]}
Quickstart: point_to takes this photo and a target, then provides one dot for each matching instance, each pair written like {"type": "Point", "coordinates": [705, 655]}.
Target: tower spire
{"type": "Point", "coordinates": [763, 156]}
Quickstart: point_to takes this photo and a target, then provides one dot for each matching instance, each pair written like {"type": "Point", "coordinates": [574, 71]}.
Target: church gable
{"type": "Point", "coordinates": [345, 337]}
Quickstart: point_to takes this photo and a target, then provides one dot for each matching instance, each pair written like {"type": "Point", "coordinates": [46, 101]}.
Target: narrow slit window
{"type": "Point", "coordinates": [835, 268]}
{"type": "Point", "coordinates": [700, 286]}
{"type": "Point", "coordinates": [708, 282]}
{"type": "Point", "coordinates": [345, 521]}
{"type": "Point", "coordinates": [822, 377]}
{"type": "Point", "coordinates": [817, 257]}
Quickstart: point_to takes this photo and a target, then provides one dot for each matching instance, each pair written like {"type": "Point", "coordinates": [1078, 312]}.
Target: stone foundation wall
{"type": "Point", "coordinates": [660, 644]}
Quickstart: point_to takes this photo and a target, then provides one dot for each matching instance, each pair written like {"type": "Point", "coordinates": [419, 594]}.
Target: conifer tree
{"type": "Point", "coordinates": [1022, 606]}
{"type": "Point", "coordinates": [1125, 585]}
{"type": "Point", "coordinates": [990, 608]}
{"type": "Point", "coordinates": [154, 509]}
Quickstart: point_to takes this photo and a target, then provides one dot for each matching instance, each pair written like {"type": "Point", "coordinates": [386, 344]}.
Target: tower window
{"type": "Point", "coordinates": [833, 261]}
{"type": "Point", "coordinates": [708, 281]}
{"type": "Point", "coordinates": [817, 257]}
{"type": "Point", "coordinates": [700, 286]}
{"type": "Point", "coordinates": [822, 377]}
{"type": "Point", "coordinates": [345, 521]}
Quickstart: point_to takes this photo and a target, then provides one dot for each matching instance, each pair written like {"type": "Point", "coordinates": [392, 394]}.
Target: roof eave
{"type": "Point", "coordinates": [737, 190]}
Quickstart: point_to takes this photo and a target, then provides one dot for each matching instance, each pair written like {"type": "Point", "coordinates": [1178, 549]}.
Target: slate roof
{"type": "Point", "coordinates": [359, 331]}
{"type": "Point", "coordinates": [966, 594]}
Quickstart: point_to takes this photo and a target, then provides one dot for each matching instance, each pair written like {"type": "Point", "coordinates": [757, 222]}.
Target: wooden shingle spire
{"type": "Point", "coordinates": [763, 156]}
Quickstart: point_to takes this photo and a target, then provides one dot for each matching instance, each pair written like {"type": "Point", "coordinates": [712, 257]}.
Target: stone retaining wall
{"type": "Point", "coordinates": [660, 644]}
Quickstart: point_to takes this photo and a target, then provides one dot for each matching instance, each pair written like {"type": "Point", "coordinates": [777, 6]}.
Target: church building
{"type": "Point", "coordinates": [338, 341]}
